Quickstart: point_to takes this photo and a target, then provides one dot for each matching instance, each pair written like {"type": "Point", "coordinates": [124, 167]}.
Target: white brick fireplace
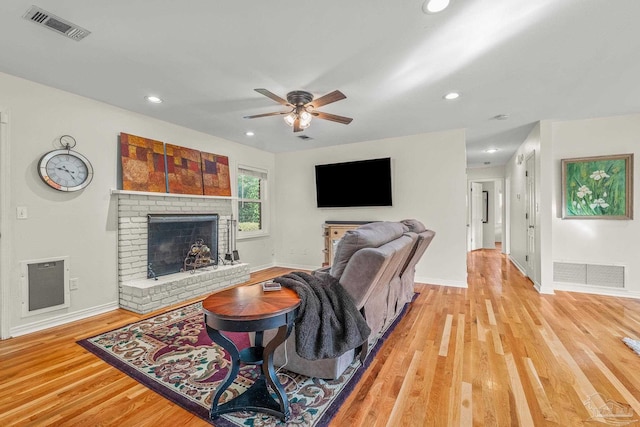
{"type": "Point", "coordinates": [143, 295]}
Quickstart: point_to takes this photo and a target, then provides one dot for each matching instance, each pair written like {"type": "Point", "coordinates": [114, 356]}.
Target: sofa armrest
{"type": "Point", "coordinates": [322, 270]}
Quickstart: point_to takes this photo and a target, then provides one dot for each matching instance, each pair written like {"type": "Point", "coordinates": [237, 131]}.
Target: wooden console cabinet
{"type": "Point", "coordinates": [333, 232]}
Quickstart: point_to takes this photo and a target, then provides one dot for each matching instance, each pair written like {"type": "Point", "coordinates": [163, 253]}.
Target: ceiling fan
{"type": "Point", "coordinates": [303, 108]}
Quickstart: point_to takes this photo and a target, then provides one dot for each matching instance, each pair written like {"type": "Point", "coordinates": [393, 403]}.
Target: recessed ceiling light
{"type": "Point", "coordinates": [434, 6]}
{"type": "Point", "coordinates": [501, 117]}
{"type": "Point", "coordinates": [490, 150]}
{"type": "Point", "coordinates": [452, 95]}
{"type": "Point", "coordinates": [249, 133]}
{"type": "Point", "coordinates": [153, 99]}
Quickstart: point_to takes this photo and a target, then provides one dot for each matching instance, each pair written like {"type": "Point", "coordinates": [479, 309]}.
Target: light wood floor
{"type": "Point", "coordinates": [497, 353]}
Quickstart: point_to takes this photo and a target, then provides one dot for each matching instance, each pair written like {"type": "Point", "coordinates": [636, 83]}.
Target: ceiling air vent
{"type": "Point", "coordinates": [304, 137]}
{"type": "Point", "coordinates": [52, 22]}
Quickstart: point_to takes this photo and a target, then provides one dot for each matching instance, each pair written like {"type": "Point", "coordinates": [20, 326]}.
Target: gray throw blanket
{"type": "Point", "coordinates": [328, 323]}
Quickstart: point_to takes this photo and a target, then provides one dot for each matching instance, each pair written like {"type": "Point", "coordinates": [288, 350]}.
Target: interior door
{"type": "Point", "coordinates": [5, 307]}
{"type": "Point", "coordinates": [531, 217]}
{"type": "Point", "coordinates": [476, 215]}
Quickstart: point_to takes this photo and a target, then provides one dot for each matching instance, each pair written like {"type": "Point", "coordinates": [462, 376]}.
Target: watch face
{"type": "Point", "coordinates": [65, 170]}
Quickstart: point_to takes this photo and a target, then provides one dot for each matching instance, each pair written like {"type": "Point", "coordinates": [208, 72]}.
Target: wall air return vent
{"type": "Point", "coordinates": [611, 276]}
{"type": "Point", "coordinates": [45, 285]}
{"type": "Point", "coordinates": [57, 24]}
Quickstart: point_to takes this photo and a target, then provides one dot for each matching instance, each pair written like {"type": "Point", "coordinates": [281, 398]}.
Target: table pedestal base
{"type": "Point", "coordinates": [256, 398]}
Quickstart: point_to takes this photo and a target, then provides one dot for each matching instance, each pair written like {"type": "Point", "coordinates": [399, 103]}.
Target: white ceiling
{"type": "Point", "coordinates": [530, 59]}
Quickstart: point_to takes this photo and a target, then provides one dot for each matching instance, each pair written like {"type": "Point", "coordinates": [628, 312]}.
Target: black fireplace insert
{"type": "Point", "coordinates": [171, 236]}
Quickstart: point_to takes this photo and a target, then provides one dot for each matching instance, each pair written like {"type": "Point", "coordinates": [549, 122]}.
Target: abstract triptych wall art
{"type": "Point", "coordinates": [153, 166]}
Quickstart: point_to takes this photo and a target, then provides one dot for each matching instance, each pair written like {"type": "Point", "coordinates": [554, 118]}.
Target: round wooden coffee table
{"type": "Point", "coordinates": [250, 309]}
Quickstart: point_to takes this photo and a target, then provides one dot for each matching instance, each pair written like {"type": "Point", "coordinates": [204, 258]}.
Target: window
{"type": "Point", "coordinates": [252, 185]}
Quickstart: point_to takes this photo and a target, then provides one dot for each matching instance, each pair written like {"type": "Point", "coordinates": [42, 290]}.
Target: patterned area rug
{"type": "Point", "coordinates": [173, 355]}
{"type": "Point", "coordinates": [633, 344]}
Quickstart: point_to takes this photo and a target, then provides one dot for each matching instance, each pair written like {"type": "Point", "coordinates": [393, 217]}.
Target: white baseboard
{"type": "Point", "coordinates": [597, 290]}
{"type": "Point", "coordinates": [543, 289]}
{"type": "Point", "coordinates": [441, 282]}
{"type": "Point", "coordinates": [518, 266]}
{"type": "Point", "coordinates": [62, 319]}
{"type": "Point", "coordinates": [298, 266]}
{"type": "Point", "coordinates": [253, 269]}
{"type": "Point", "coordinates": [284, 265]}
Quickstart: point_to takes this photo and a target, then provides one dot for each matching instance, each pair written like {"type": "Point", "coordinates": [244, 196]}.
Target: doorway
{"type": "Point", "coordinates": [4, 226]}
{"type": "Point", "coordinates": [475, 213]}
{"type": "Point", "coordinates": [486, 214]}
{"type": "Point", "coordinates": [530, 216]}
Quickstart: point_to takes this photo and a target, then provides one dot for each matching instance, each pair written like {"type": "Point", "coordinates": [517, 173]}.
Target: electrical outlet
{"type": "Point", "coordinates": [73, 284]}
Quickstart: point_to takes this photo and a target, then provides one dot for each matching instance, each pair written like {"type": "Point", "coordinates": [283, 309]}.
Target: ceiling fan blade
{"type": "Point", "coordinates": [278, 113]}
{"type": "Point", "coordinates": [334, 96]}
{"type": "Point", "coordinates": [332, 117]}
{"type": "Point", "coordinates": [273, 96]}
{"type": "Point", "coordinates": [296, 125]}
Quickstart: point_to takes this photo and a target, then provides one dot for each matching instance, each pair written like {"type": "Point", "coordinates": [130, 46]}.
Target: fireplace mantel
{"type": "Point", "coordinates": [149, 193]}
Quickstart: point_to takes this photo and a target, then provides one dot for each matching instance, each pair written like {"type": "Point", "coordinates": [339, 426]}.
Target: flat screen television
{"type": "Point", "coordinates": [351, 184]}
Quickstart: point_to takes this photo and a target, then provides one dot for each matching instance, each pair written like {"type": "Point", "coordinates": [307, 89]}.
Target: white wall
{"type": "Point", "coordinates": [429, 184]}
{"type": "Point", "coordinates": [498, 204]}
{"type": "Point", "coordinates": [485, 174]}
{"type": "Point", "coordinates": [596, 241]}
{"type": "Point", "coordinates": [82, 225]}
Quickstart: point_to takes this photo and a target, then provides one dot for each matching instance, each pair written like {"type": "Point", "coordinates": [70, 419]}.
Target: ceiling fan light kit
{"type": "Point", "coordinates": [303, 108]}
{"type": "Point", "coordinates": [304, 117]}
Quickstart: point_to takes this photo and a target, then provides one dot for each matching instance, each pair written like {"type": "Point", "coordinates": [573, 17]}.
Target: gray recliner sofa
{"type": "Point", "coordinates": [375, 263]}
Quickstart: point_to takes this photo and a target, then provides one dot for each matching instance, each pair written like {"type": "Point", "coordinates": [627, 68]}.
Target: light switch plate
{"type": "Point", "coordinates": [21, 212]}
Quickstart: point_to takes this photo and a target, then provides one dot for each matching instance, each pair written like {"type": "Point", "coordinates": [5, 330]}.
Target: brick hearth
{"type": "Point", "coordinates": [145, 295]}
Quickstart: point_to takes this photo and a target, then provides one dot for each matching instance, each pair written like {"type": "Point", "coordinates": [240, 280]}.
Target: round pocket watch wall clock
{"type": "Point", "coordinates": [64, 169]}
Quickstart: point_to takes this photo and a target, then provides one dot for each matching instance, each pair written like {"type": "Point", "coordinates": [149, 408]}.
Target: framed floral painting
{"type": "Point", "coordinates": [598, 187]}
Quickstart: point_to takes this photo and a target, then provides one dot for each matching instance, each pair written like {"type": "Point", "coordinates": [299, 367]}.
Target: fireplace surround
{"type": "Point", "coordinates": [141, 294]}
